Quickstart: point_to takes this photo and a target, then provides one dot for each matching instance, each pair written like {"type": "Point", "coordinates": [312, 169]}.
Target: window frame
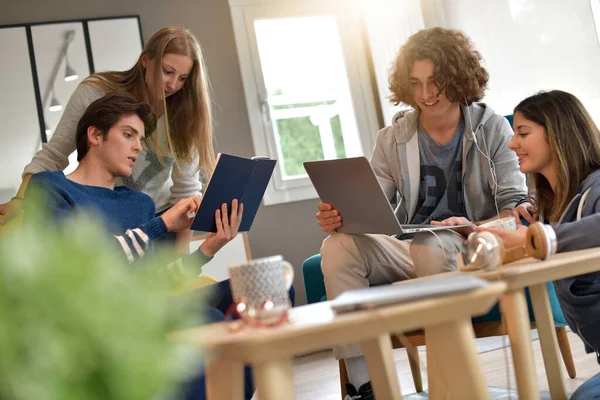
{"type": "Point", "coordinates": [355, 52]}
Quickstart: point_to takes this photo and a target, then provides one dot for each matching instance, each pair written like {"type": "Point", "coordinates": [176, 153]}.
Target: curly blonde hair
{"type": "Point", "coordinates": [457, 66]}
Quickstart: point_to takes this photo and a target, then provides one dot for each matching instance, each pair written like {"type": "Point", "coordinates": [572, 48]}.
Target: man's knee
{"type": "Point", "coordinates": [335, 249]}
{"type": "Point", "coordinates": [433, 254]}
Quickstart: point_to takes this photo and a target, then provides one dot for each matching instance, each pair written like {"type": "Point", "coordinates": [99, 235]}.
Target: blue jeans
{"type": "Point", "coordinates": [590, 390]}
{"type": "Point", "coordinates": [218, 299]}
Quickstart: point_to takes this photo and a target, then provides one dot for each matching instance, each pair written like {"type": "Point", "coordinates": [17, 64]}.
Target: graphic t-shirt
{"type": "Point", "coordinates": [440, 187]}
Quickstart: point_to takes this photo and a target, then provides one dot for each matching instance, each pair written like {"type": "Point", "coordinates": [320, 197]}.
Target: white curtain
{"type": "Point", "coordinates": [389, 24]}
{"type": "Point", "coordinates": [595, 6]}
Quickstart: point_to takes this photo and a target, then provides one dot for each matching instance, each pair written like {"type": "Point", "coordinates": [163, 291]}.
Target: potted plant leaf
{"type": "Point", "coordinates": [78, 322]}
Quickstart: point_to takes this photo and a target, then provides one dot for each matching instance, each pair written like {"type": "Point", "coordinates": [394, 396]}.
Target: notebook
{"type": "Point", "coordinates": [412, 289]}
{"type": "Point", "coordinates": [234, 177]}
{"type": "Point", "coordinates": [351, 187]}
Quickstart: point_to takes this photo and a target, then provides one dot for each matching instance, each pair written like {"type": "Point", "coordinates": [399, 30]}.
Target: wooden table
{"type": "Point", "coordinates": [535, 274]}
{"type": "Point", "coordinates": [447, 323]}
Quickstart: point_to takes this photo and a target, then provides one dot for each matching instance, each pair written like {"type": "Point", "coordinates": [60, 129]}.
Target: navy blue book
{"type": "Point", "coordinates": [234, 177]}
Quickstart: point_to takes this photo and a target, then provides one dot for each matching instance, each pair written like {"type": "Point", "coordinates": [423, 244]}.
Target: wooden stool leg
{"type": "Point", "coordinates": [565, 351]}
{"type": "Point", "coordinates": [457, 365]}
{"type": "Point", "coordinates": [275, 379]}
{"type": "Point", "coordinates": [547, 332]}
{"type": "Point", "coordinates": [514, 306]}
{"type": "Point", "coordinates": [415, 368]}
{"type": "Point", "coordinates": [435, 391]}
{"type": "Point", "coordinates": [382, 369]}
{"type": "Point", "coordinates": [343, 377]}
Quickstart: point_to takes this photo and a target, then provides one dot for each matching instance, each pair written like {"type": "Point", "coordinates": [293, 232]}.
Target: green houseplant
{"type": "Point", "coordinates": [78, 322]}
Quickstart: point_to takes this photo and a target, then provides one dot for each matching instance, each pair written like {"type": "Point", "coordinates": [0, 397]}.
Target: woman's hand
{"type": "Point", "coordinates": [180, 216]}
{"type": "Point", "coordinates": [227, 228]}
{"type": "Point", "coordinates": [464, 231]}
{"type": "Point", "coordinates": [527, 211]}
{"type": "Point", "coordinates": [509, 237]}
{"type": "Point", "coordinates": [328, 218]}
{"type": "Point", "coordinates": [10, 210]}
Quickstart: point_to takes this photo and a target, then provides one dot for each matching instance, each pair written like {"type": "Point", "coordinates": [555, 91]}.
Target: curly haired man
{"type": "Point", "coordinates": [446, 162]}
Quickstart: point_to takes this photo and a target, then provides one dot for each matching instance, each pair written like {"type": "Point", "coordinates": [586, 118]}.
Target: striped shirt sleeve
{"type": "Point", "coordinates": [135, 243]}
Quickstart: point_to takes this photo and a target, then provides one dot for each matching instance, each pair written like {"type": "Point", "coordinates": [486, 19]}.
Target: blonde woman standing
{"type": "Point", "coordinates": [170, 76]}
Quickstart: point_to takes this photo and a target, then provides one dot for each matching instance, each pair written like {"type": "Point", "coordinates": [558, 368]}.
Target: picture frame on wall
{"type": "Point", "coordinates": [20, 135]}
{"type": "Point", "coordinates": [61, 59]}
{"type": "Point", "coordinates": [48, 61]}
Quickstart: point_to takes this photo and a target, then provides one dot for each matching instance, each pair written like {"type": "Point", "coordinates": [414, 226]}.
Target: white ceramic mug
{"type": "Point", "coordinates": [502, 223]}
{"type": "Point", "coordinates": [262, 280]}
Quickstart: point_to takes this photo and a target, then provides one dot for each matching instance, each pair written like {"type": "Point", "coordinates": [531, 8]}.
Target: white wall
{"type": "Point", "coordinates": [532, 45]}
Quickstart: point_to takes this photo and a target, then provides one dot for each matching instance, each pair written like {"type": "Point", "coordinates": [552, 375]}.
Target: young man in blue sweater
{"type": "Point", "coordinates": [109, 137]}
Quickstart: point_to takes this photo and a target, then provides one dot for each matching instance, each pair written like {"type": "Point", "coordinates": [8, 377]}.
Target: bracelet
{"type": "Point", "coordinates": [16, 198]}
{"type": "Point", "coordinates": [523, 200]}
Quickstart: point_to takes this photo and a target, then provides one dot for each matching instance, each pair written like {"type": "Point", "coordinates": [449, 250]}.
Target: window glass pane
{"type": "Point", "coordinates": [300, 140]}
{"type": "Point", "coordinates": [307, 91]}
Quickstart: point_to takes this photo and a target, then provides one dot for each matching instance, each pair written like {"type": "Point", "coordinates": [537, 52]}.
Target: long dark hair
{"type": "Point", "coordinates": [574, 141]}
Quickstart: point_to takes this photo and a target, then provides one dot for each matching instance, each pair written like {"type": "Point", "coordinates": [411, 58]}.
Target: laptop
{"type": "Point", "coordinates": [410, 290]}
{"type": "Point", "coordinates": [351, 187]}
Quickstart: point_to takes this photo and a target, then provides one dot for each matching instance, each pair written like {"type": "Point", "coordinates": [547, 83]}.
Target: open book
{"type": "Point", "coordinates": [234, 177]}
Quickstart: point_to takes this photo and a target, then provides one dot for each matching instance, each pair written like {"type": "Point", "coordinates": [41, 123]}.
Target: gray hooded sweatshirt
{"type": "Point", "coordinates": [579, 296]}
{"type": "Point", "coordinates": [490, 177]}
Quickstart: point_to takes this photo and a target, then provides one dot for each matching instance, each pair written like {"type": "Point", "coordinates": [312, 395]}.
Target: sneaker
{"type": "Point", "coordinates": [364, 392]}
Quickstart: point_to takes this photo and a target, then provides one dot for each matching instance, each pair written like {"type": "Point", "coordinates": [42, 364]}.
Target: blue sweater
{"type": "Point", "coordinates": [127, 214]}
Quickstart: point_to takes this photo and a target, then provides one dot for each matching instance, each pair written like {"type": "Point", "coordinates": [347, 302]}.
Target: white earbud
{"type": "Point", "coordinates": [490, 161]}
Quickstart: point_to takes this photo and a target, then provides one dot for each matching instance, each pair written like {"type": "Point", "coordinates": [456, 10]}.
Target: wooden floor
{"type": "Point", "coordinates": [317, 376]}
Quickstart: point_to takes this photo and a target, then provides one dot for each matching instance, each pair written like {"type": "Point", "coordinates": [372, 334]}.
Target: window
{"type": "Point", "coordinates": [307, 86]}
